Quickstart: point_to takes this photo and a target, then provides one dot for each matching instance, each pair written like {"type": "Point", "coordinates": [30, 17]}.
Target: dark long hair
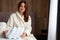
{"type": "Point", "coordinates": [26, 10]}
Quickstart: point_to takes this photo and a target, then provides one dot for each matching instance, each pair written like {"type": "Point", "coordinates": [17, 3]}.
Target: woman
{"type": "Point", "coordinates": [21, 19]}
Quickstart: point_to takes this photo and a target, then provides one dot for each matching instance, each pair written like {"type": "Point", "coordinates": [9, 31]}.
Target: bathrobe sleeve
{"type": "Point", "coordinates": [10, 22]}
{"type": "Point", "coordinates": [28, 27]}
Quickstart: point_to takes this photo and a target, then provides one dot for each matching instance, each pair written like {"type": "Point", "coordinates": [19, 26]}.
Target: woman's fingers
{"type": "Point", "coordinates": [4, 33]}
{"type": "Point", "coordinates": [23, 35]}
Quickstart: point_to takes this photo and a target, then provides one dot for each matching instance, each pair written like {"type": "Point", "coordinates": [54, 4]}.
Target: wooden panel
{"type": "Point", "coordinates": [8, 5]}
{"type": "Point", "coordinates": [40, 10]}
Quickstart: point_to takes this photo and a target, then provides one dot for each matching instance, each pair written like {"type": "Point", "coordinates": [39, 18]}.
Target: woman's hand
{"type": "Point", "coordinates": [23, 35]}
{"type": "Point", "coordinates": [4, 33]}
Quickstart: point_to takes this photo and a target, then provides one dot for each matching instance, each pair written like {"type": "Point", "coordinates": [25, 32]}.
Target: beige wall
{"type": "Point", "coordinates": [38, 9]}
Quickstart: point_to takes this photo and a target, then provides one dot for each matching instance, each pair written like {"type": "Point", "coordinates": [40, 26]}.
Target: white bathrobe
{"type": "Point", "coordinates": [16, 20]}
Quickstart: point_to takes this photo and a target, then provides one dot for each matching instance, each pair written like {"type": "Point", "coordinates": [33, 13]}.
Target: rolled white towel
{"type": "Point", "coordinates": [3, 24]}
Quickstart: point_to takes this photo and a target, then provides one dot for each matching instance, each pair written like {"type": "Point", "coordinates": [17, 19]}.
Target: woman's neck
{"type": "Point", "coordinates": [21, 14]}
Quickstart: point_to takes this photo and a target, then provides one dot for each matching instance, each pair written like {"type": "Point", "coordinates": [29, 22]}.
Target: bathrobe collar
{"type": "Point", "coordinates": [18, 14]}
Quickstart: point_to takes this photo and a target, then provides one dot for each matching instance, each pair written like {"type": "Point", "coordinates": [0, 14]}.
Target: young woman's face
{"type": "Point", "coordinates": [22, 8]}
